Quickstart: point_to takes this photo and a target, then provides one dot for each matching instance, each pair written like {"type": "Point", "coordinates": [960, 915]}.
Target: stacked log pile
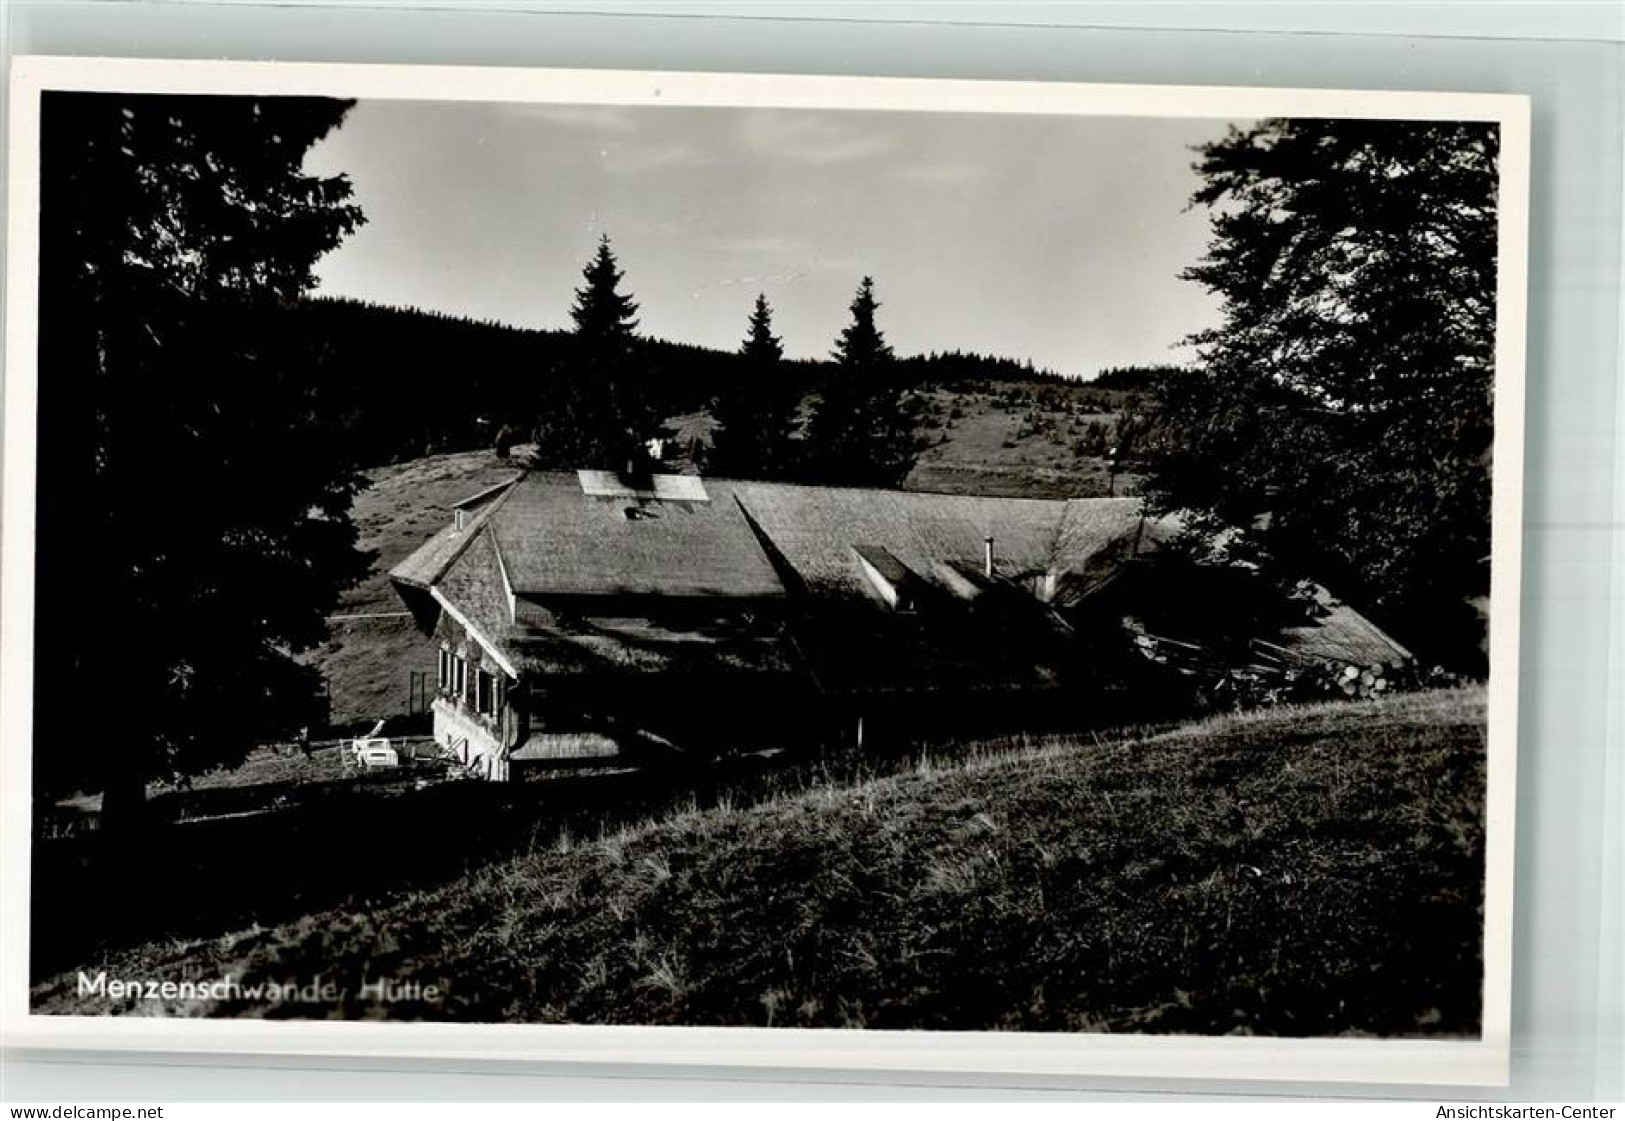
{"type": "Point", "coordinates": [1272, 674]}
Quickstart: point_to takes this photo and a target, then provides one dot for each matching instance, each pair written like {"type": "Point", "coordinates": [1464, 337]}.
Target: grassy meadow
{"type": "Point", "coordinates": [1015, 441]}
{"type": "Point", "coordinates": [1298, 871]}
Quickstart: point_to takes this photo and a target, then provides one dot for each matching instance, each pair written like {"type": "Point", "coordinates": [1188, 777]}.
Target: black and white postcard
{"type": "Point", "coordinates": [779, 570]}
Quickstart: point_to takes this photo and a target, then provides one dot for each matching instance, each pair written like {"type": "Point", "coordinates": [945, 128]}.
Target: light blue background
{"type": "Point", "coordinates": [1569, 57]}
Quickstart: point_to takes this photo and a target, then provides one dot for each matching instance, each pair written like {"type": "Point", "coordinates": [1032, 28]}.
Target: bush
{"type": "Point", "coordinates": [1096, 439]}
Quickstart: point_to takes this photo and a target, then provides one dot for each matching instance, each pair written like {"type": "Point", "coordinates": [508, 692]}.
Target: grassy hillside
{"type": "Point", "coordinates": [1016, 440]}
{"type": "Point", "coordinates": [1298, 871]}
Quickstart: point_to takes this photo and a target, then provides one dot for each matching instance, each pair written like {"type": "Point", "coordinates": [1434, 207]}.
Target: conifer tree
{"type": "Point", "coordinates": [599, 411]}
{"type": "Point", "coordinates": [859, 433]}
{"type": "Point", "coordinates": [756, 412]}
{"type": "Point", "coordinates": [605, 318]}
{"type": "Point", "coordinates": [762, 349]}
{"type": "Point", "coordinates": [861, 346]}
{"type": "Point", "coordinates": [187, 473]}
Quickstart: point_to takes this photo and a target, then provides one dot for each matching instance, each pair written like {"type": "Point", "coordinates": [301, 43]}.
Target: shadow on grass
{"type": "Point", "coordinates": [276, 851]}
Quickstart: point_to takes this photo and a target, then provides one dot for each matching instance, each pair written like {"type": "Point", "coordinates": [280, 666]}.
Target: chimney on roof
{"type": "Point", "coordinates": [987, 557]}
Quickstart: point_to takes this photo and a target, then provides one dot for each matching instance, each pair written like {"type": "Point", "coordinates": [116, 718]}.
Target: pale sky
{"type": "Point", "coordinates": [1058, 239]}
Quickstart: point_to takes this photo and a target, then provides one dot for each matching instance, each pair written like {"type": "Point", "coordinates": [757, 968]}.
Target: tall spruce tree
{"type": "Point", "coordinates": [605, 318]}
{"type": "Point", "coordinates": [761, 349]}
{"type": "Point", "coordinates": [1347, 392]}
{"type": "Point", "coordinates": [193, 512]}
{"type": "Point", "coordinates": [859, 435]}
{"type": "Point", "coordinates": [861, 347]}
{"type": "Point", "coordinates": [756, 411]}
{"type": "Point", "coordinates": [598, 411]}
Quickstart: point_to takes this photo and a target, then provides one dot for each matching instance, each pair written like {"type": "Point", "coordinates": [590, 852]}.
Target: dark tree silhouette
{"type": "Point", "coordinates": [757, 411]}
{"type": "Point", "coordinates": [859, 433]}
{"type": "Point", "coordinates": [861, 346]}
{"type": "Point", "coordinates": [761, 346]}
{"type": "Point", "coordinates": [1342, 428]}
{"type": "Point", "coordinates": [605, 318]}
{"type": "Point", "coordinates": [599, 411]}
{"type": "Point", "coordinates": [193, 516]}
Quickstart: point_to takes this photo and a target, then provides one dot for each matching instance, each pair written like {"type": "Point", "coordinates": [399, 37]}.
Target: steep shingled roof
{"type": "Point", "coordinates": [815, 528]}
{"type": "Point", "coordinates": [473, 585]}
{"type": "Point", "coordinates": [1341, 634]}
{"type": "Point", "coordinates": [425, 567]}
{"type": "Point", "coordinates": [550, 539]}
{"type": "Point", "coordinates": [556, 539]}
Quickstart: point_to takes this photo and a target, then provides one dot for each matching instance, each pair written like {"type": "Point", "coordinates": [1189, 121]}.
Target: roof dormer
{"type": "Point", "coordinates": [891, 579]}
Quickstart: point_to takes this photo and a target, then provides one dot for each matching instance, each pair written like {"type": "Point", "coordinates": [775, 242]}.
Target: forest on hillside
{"type": "Point", "coordinates": [398, 383]}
